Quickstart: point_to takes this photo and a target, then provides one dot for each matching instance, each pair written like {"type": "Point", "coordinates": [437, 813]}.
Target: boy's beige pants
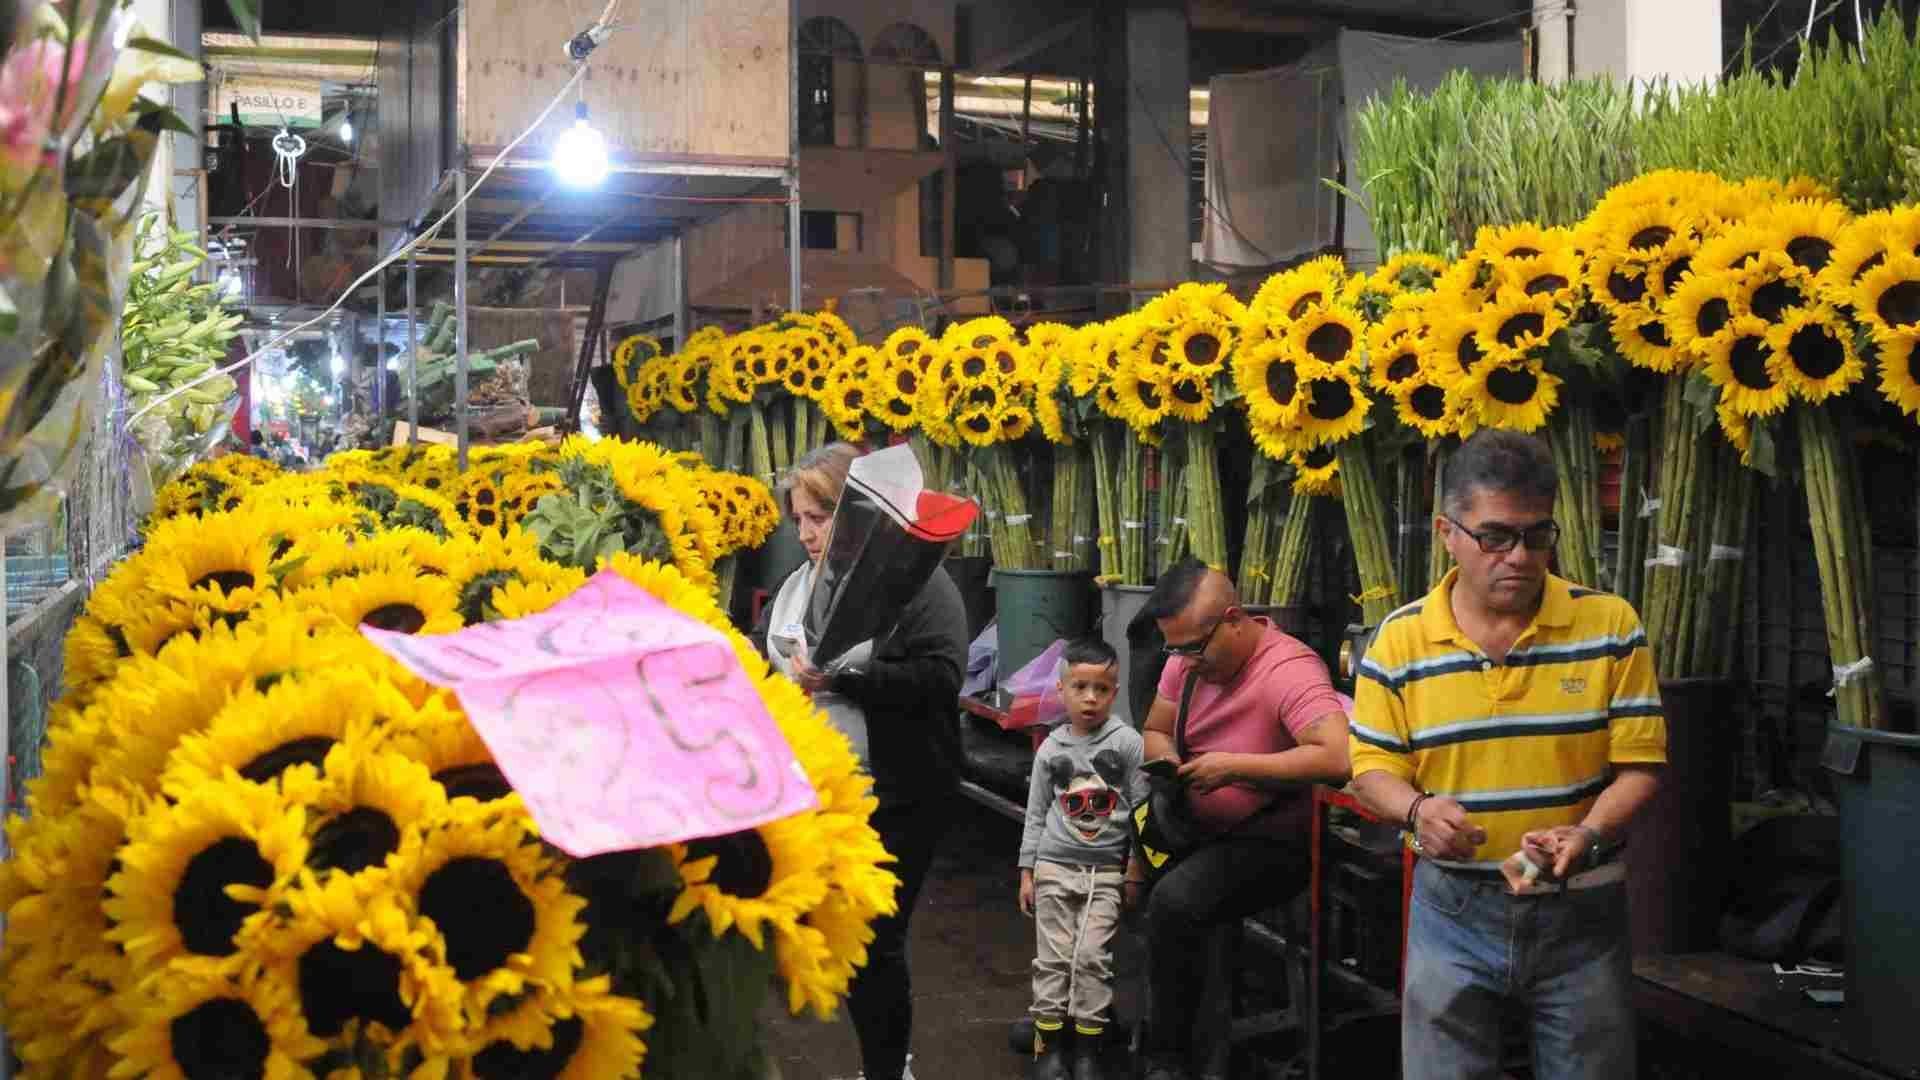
{"type": "Point", "coordinates": [1076, 910]}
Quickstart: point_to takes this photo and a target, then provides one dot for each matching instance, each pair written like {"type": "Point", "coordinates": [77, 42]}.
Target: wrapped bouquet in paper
{"type": "Point", "coordinates": [889, 534]}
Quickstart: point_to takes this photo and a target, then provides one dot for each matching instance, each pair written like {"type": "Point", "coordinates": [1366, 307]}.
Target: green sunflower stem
{"type": "Point", "coordinates": [1836, 511]}
{"type": "Point", "coordinates": [1667, 567]}
{"type": "Point", "coordinates": [1570, 432]}
{"type": "Point", "coordinates": [1175, 531]}
{"type": "Point", "coordinates": [1072, 498]}
{"type": "Point", "coordinates": [1015, 522]}
{"type": "Point", "coordinates": [1636, 476]}
{"type": "Point", "coordinates": [1409, 550]}
{"type": "Point", "coordinates": [779, 432]}
{"type": "Point", "coordinates": [1255, 573]}
{"type": "Point", "coordinates": [1293, 550]}
{"type": "Point", "coordinates": [1206, 523]}
{"type": "Point", "coordinates": [760, 444]}
{"type": "Point", "coordinates": [712, 438]}
{"type": "Point", "coordinates": [1104, 441]}
{"type": "Point", "coordinates": [1366, 525]}
{"type": "Point", "coordinates": [1133, 506]}
{"type": "Point", "coordinates": [726, 570]}
{"type": "Point", "coordinates": [1714, 642]}
{"type": "Point", "coordinates": [1439, 560]}
{"type": "Point", "coordinates": [739, 423]}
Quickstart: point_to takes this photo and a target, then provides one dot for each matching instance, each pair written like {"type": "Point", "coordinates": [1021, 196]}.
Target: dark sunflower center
{"type": "Point", "coordinates": [483, 782]}
{"type": "Point", "coordinates": [1301, 305]}
{"type": "Point", "coordinates": [1429, 402]}
{"type": "Point", "coordinates": [119, 639]}
{"type": "Point", "coordinates": [1677, 269]}
{"type": "Point", "coordinates": [483, 497]}
{"type": "Point", "coordinates": [745, 866]}
{"type": "Point", "coordinates": [1403, 367]}
{"type": "Point", "coordinates": [1712, 317]}
{"type": "Point", "coordinates": [983, 341]}
{"type": "Point", "coordinates": [817, 383]}
{"type": "Point", "coordinates": [1872, 263]}
{"type": "Point", "coordinates": [1282, 382]}
{"type": "Point", "coordinates": [1652, 236]}
{"type": "Point", "coordinates": [1469, 352]}
{"type": "Point", "coordinates": [1330, 343]}
{"type": "Point", "coordinates": [1626, 288]}
{"type": "Point", "coordinates": [1004, 359]}
{"type": "Point", "coordinates": [481, 912]}
{"type": "Point", "coordinates": [983, 396]}
{"type": "Point", "coordinates": [363, 836]}
{"type": "Point", "coordinates": [978, 423]}
{"type": "Point", "coordinates": [855, 399]}
{"type": "Point", "coordinates": [1319, 457]}
{"type": "Point", "coordinates": [1524, 253]}
{"type": "Point", "coordinates": [1654, 332]}
{"type": "Point", "coordinates": [207, 917]}
{"type": "Point", "coordinates": [1817, 351]}
{"type": "Point", "coordinates": [485, 518]}
{"type": "Point", "coordinates": [1749, 363]}
{"type": "Point", "coordinates": [900, 408]}
{"type": "Point", "coordinates": [1812, 252]}
{"type": "Point", "coordinates": [973, 367]}
{"type": "Point", "coordinates": [907, 347]}
{"type": "Point", "coordinates": [1900, 305]}
{"type": "Point", "coordinates": [338, 985]}
{"type": "Point", "coordinates": [220, 1039]}
{"type": "Point", "coordinates": [501, 1061]}
{"type": "Point", "coordinates": [1202, 349]}
{"type": "Point", "coordinates": [1770, 301]}
{"type": "Point", "coordinates": [1511, 385]}
{"type": "Point", "coordinates": [1523, 325]}
{"type": "Point", "coordinates": [1187, 392]}
{"type": "Point", "coordinates": [227, 580]}
{"type": "Point", "coordinates": [1149, 394]}
{"type": "Point", "coordinates": [399, 618]}
{"type": "Point", "coordinates": [1546, 283]}
{"type": "Point", "coordinates": [311, 750]}
{"type": "Point", "coordinates": [1332, 399]}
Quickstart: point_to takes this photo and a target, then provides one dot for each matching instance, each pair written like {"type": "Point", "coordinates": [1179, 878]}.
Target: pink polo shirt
{"type": "Point", "coordinates": [1283, 688]}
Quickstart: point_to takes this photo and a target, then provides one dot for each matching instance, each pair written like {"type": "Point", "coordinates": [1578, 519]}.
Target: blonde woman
{"type": "Point", "coordinates": [900, 692]}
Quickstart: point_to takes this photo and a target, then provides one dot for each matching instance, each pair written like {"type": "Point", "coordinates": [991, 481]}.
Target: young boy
{"type": "Point", "coordinates": [1073, 858]}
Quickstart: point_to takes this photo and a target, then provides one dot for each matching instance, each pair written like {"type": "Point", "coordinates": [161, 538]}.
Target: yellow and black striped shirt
{"type": "Point", "coordinates": [1527, 743]}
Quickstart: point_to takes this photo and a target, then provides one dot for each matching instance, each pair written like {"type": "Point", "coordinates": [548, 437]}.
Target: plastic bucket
{"type": "Point", "coordinates": [1119, 606]}
{"type": "Point", "coordinates": [1037, 607]}
{"type": "Point", "coordinates": [1876, 781]}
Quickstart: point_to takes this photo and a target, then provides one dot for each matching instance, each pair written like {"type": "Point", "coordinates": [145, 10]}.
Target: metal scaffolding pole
{"type": "Point", "coordinates": [460, 314]}
{"type": "Point", "coordinates": [413, 357]}
{"type": "Point", "coordinates": [379, 392]}
{"type": "Point", "coordinates": [794, 300]}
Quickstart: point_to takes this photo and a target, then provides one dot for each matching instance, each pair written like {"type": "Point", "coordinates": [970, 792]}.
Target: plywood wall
{"type": "Point", "coordinates": [697, 77]}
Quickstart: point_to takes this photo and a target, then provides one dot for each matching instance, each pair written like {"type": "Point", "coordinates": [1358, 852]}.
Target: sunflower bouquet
{"type": "Point", "coordinates": [620, 496]}
{"type": "Point", "coordinates": [262, 847]}
{"type": "Point", "coordinates": [977, 395]}
{"type": "Point", "coordinates": [1119, 448]}
{"type": "Point", "coordinates": [1068, 466]}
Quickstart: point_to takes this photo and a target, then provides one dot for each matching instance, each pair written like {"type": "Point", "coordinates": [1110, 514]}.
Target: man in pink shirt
{"type": "Point", "coordinates": [1263, 724]}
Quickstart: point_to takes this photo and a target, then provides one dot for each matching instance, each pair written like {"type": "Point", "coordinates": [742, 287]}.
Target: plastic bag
{"type": "Point", "coordinates": [1035, 690]}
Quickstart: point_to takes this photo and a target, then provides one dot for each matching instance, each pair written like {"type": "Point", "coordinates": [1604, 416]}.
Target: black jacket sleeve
{"type": "Point", "coordinates": [919, 667]}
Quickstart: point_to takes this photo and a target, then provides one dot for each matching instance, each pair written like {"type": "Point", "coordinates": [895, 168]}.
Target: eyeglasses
{"type": "Point", "coordinates": [1096, 801]}
{"type": "Point", "coordinates": [1498, 539]}
{"type": "Point", "coordinates": [1194, 649]}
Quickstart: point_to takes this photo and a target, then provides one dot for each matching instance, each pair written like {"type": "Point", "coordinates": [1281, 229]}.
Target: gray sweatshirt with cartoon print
{"type": "Point", "coordinates": [1081, 796]}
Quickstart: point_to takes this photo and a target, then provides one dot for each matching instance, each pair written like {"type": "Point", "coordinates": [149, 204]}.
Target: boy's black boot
{"type": "Point", "coordinates": [1086, 1059]}
{"type": "Point", "coordinates": [1049, 1055]}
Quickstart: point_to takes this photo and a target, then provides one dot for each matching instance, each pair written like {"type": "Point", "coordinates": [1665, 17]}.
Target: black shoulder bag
{"type": "Point", "coordinates": [1163, 823]}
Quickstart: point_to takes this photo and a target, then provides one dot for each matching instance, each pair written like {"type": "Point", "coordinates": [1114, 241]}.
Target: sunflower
{"type": "Point", "coordinates": [1772, 286]}
{"type": "Point", "coordinates": [1732, 250]}
{"type": "Point", "coordinates": [194, 1024]}
{"type": "Point", "coordinates": [1143, 396]}
{"type": "Point", "coordinates": [1193, 300]}
{"type": "Point", "coordinates": [297, 719]}
{"type": "Point", "coordinates": [1609, 442]}
{"type": "Point", "coordinates": [389, 598]}
{"type": "Point", "coordinates": [980, 333]}
{"type": "Point", "coordinates": [1618, 281]}
{"type": "Point", "coordinates": [191, 872]}
{"type": "Point", "coordinates": [90, 653]}
{"type": "Point", "coordinates": [442, 740]}
{"type": "Point", "coordinates": [1332, 404]}
{"type": "Point", "coordinates": [1515, 242]}
{"type": "Point", "coordinates": [1554, 274]}
{"type": "Point", "coordinates": [1409, 271]}
{"type": "Point", "coordinates": [1190, 398]}
{"type": "Point", "coordinates": [596, 1033]}
{"type": "Point", "coordinates": [1452, 346]}
{"type": "Point", "coordinates": [360, 804]}
{"type": "Point", "coordinates": [1516, 322]}
{"type": "Point", "coordinates": [1316, 472]}
{"type": "Point", "coordinates": [1395, 362]}
{"type": "Point", "coordinates": [221, 560]}
{"type": "Point", "coordinates": [1887, 297]}
{"type": "Point", "coordinates": [1815, 350]}
{"type": "Point", "coordinates": [1652, 231]}
{"type": "Point", "coordinates": [1743, 365]}
{"type": "Point", "coordinates": [1422, 403]}
{"type": "Point", "coordinates": [1200, 346]}
{"type": "Point", "coordinates": [1331, 334]}
{"type": "Point", "coordinates": [1700, 311]}
{"type": "Point", "coordinates": [1900, 370]}
{"type": "Point", "coordinates": [1468, 282]}
{"type": "Point", "coordinates": [633, 351]}
{"type": "Point", "coordinates": [1644, 340]}
{"type": "Point", "coordinates": [1808, 230]}
{"type": "Point", "coordinates": [1665, 273]}
{"type": "Point", "coordinates": [500, 905]}
{"type": "Point", "coordinates": [1516, 396]}
{"type": "Point", "coordinates": [1738, 430]}
{"type": "Point", "coordinates": [754, 880]}
{"type": "Point", "coordinates": [1289, 295]}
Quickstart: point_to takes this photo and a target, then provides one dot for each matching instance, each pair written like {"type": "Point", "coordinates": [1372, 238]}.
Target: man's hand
{"type": "Point", "coordinates": [1563, 849]}
{"type": "Point", "coordinates": [1444, 830]}
{"type": "Point", "coordinates": [810, 678]}
{"type": "Point", "coordinates": [1210, 772]}
{"type": "Point", "coordinates": [1026, 891]}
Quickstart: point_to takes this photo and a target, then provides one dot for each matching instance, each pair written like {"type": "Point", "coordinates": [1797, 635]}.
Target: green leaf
{"type": "Point", "coordinates": [147, 44]}
{"type": "Point", "coordinates": [1702, 394]}
{"type": "Point", "coordinates": [157, 117]}
{"type": "Point", "coordinates": [246, 15]}
{"type": "Point", "coordinates": [1765, 452]}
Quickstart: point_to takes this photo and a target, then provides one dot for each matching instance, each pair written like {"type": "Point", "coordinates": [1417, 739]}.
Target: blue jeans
{"type": "Point", "coordinates": [1476, 954]}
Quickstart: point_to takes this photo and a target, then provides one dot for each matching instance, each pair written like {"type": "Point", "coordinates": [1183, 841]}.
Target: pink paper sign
{"type": "Point", "coordinates": [621, 722]}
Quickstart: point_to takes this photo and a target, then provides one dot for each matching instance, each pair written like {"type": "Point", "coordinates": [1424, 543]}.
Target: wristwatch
{"type": "Point", "coordinates": [1594, 850]}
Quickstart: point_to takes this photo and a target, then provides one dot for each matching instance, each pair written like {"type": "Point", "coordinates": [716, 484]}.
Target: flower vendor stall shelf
{"type": "Point", "coordinates": [1876, 781]}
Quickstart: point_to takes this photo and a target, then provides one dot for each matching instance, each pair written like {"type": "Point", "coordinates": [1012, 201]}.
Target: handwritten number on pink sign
{"type": "Point", "coordinates": [621, 722]}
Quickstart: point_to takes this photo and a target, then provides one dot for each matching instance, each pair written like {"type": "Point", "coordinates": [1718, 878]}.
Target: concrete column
{"type": "Point", "coordinates": [1159, 206]}
{"type": "Point", "coordinates": [1552, 41]}
{"type": "Point", "coordinates": [1643, 39]}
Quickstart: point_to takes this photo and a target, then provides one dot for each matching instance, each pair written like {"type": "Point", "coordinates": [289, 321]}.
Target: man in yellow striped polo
{"type": "Point", "coordinates": [1511, 720]}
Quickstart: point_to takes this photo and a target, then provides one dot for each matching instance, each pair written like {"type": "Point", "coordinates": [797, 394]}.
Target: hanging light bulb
{"type": "Point", "coordinates": [338, 364]}
{"type": "Point", "coordinates": [346, 128]}
{"type": "Point", "coordinates": [580, 156]}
